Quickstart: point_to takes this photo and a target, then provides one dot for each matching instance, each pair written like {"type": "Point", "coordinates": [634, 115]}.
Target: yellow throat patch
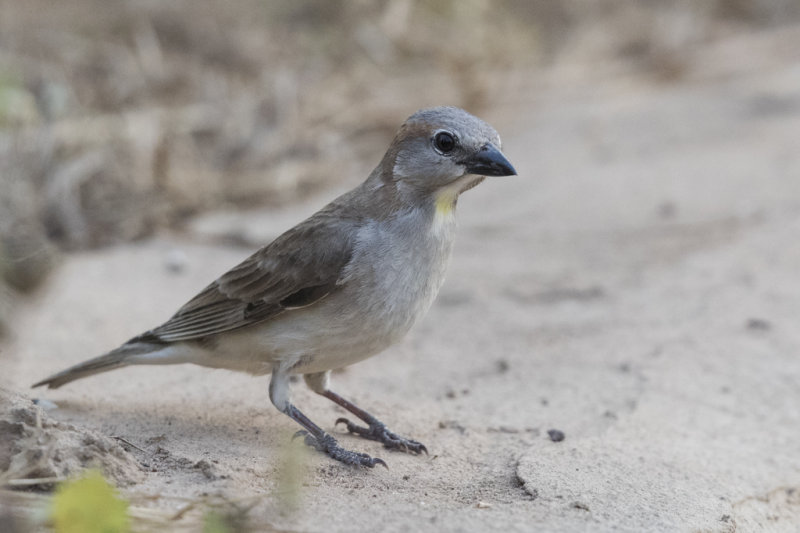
{"type": "Point", "coordinates": [445, 210]}
{"type": "Point", "coordinates": [445, 204]}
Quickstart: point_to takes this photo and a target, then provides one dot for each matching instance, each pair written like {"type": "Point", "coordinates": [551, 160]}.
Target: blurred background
{"type": "Point", "coordinates": [635, 287]}
{"type": "Point", "coordinates": [122, 118]}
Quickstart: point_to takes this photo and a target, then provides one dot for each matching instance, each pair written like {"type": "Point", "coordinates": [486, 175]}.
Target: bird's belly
{"type": "Point", "coordinates": [374, 308]}
{"type": "Point", "coordinates": [322, 337]}
{"type": "Point", "coordinates": [346, 329]}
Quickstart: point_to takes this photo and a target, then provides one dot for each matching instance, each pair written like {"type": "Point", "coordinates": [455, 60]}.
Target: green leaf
{"type": "Point", "coordinates": [89, 505]}
{"type": "Point", "coordinates": [215, 523]}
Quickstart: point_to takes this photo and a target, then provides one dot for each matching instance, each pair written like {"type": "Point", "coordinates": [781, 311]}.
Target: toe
{"type": "Point", "coordinates": [379, 461]}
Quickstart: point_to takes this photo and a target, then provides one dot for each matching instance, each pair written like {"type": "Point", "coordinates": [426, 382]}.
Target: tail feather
{"type": "Point", "coordinates": [114, 359]}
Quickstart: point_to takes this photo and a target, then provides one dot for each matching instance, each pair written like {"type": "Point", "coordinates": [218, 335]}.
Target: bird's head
{"type": "Point", "coordinates": [445, 147]}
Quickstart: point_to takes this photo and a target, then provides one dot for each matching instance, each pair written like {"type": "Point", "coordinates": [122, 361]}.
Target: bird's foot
{"type": "Point", "coordinates": [328, 445]}
{"type": "Point", "coordinates": [377, 431]}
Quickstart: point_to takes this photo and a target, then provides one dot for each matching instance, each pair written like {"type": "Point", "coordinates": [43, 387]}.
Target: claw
{"type": "Point", "coordinates": [308, 440]}
{"type": "Point", "coordinates": [328, 445]}
{"type": "Point", "coordinates": [377, 431]}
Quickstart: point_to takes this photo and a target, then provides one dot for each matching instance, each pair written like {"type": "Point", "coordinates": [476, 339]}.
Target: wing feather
{"type": "Point", "coordinates": [297, 269]}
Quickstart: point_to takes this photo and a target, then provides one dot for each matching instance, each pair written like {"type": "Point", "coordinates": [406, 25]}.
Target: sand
{"type": "Point", "coordinates": [636, 287]}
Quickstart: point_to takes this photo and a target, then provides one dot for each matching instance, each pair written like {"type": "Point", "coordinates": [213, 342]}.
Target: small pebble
{"type": "Point", "coordinates": [758, 324]}
{"type": "Point", "coordinates": [667, 210]}
{"type": "Point", "coordinates": [556, 435]}
{"type": "Point", "coordinates": [502, 366]}
{"type": "Point", "coordinates": [47, 405]}
{"type": "Point", "coordinates": [176, 261]}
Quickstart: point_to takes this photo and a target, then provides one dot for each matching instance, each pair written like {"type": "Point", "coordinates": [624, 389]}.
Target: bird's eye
{"type": "Point", "coordinates": [444, 142]}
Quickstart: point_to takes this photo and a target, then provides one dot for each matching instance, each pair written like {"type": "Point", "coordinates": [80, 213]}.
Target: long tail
{"type": "Point", "coordinates": [117, 358]}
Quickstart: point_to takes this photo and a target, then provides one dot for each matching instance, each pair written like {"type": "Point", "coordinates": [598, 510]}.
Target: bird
{"type": "Point", "coordinates": [339, 287]}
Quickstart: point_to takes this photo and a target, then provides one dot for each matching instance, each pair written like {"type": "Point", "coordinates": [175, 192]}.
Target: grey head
{"type": "Point", "coordinates": [437, 147]}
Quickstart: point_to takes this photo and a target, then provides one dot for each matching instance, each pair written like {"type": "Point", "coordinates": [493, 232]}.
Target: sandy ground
{"type": "Point", "coordinates": [636, 287]}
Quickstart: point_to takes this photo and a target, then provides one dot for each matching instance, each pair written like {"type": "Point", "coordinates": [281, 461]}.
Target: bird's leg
{"type": "Point", "coordinates": [375, 430]}
{"type": "Point", "coordinates": [314, 435]}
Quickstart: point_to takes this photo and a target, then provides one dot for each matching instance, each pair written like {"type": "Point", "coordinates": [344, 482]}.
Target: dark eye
{"type": "Point", "coordinates": [444, 142]}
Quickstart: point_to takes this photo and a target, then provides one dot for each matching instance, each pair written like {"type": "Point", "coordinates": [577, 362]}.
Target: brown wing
{"type": "Point", "coordinates": [298, 269]}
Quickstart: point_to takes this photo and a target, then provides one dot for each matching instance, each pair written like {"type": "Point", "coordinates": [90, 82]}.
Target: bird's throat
{"type": "Point", "coordinates": [447, 196]}
{"type": "Point", "coordinates": [444, 213]}
{"type": "Point", "coordinates": [446, 203]}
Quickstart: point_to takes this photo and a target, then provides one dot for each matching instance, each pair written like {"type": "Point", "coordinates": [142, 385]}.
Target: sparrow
{"type": "Point", "coordinates": [339, 287]}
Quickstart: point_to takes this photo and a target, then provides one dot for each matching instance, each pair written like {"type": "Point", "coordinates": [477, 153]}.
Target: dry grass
{"type": "Point", "coordinates": [121, 117]}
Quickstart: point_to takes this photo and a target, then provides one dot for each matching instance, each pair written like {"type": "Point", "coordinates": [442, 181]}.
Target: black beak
{"type": "Point", "coordinates": [489, 161]}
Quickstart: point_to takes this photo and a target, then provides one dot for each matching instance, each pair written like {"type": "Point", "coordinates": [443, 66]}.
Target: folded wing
{"type": "Point", "coordinates": [299, 268]}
